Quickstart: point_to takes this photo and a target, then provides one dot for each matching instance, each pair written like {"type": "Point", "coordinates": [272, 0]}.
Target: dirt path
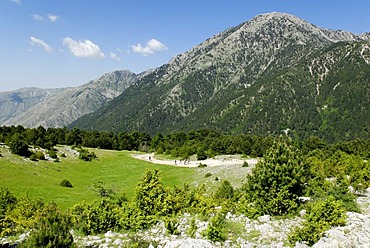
{"type": "Point", "coordinates": [217, 161]}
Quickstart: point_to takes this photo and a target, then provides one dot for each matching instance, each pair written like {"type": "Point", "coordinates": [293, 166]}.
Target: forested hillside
{"type": "Point", "coordinates": [271, 75]}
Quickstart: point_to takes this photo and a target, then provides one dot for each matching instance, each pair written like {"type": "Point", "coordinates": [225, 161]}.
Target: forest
{"type": "Point", "coordinates": [323, 179]}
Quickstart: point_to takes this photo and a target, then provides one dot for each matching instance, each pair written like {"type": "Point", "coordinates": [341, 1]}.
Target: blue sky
{"type": "Point", "coordinates": [62, 43]}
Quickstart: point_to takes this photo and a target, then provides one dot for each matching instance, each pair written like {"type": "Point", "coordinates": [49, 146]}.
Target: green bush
{"type": "Point", "coordinates": [225, 191]}
{"type": "Point", "coordinates": [52, 229]}
{"type": "Point", "coordinates": [321, 216]}
{"type": "Point", "coordinates": [102, 189]}
{"type": "Point", "coordinates": [86, 155]}
{"type": "Point", "coordinates": [21, 216]}
{"type": "Point", "coordinates": [171, 224]}
{"type": "Point", "coordinates": [201, 154]}
{"type": "Point", "coordinates": [160, 150]}
{"type": "Point", "coordinates": [19, 146]}
{"type": "Point", "coordinates": [202, 165]}
{"type": "Point", "coordinates": [277, 181]}
{"type": "Point", "coordinates": [216, 230]}
{"type": "Point", "coordinates": [208, 174]}
{"type": "Point", "coordinates": [245, 164]}
{"type": "Point", "coordinates": [98, 217]}
{"type": "Point", "coordinates": [52, 154]}
{"type": "Point", "coordinates": [66, 183]}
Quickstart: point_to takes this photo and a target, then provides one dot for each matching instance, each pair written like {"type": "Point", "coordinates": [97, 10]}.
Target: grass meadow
{"type": "Point", "coordinates": [117, 169]}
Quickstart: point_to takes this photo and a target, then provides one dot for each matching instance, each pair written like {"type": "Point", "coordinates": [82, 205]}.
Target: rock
{"type": "Point", "coordinates": [188, 243]}
{"type": "Point", "coordinates": [109, 234]}
{"type": "Point", "coordinates": [264, 219]}
{"type": "Point", "coordinates": [302, 212]}
{"type": "Point", "coordinates": [265, 229]}
{"type": "Point", "coordinates": [117, 242]}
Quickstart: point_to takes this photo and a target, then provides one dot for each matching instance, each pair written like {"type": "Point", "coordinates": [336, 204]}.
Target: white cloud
{"type": "Point", "coordinates": [52, 17]}
{"type": "Point", "coordinates": [38, 17]}
{"type": "Point", "coordinates": [114, 56]}
{"type": "Point", "coordinates": [41, 43]}
{"type": "Point", "coordinates": [17, 2]}
{"type": "Point", "coordinates": [151, 47]}
{"type": "Point", "coordinates": [83, 49]}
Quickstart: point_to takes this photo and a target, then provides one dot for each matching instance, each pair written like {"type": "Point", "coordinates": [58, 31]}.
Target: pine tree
{"type": "Point", "coordinates": [276, 182]}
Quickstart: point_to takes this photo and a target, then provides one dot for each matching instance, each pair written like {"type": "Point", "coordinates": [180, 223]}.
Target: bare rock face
{"type": "Point", "coordinates": [58, 108]}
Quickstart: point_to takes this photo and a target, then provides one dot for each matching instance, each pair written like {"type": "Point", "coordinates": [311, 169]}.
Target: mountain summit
{"type": "Point", "coordinates": [273, 74]}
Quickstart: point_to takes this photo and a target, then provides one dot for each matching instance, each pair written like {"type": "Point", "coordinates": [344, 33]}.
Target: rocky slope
{"type": "Point", "coordinates": [262, 232]}
{"type": "Point", "coordinates": [228, 82]}
{"type": "Point", "coordinates": [13, 103]}
{"type": "Point", "coordinates": [61, 109]}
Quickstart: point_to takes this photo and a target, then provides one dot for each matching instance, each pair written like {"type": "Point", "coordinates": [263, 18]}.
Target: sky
{"type": "Point", "coordinates": [66, 43]}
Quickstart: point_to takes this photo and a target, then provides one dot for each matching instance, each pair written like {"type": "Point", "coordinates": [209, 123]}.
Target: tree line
{"type": "Point", "coordinates": [204, 143]}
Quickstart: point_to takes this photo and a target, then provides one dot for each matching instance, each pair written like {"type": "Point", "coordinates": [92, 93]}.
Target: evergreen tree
{"type": "Point", "coordinates": [276, 181]}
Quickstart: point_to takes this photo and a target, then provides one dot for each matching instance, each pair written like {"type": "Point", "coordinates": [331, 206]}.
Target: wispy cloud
{"type": "Point", "coordinates": [114, 56]}
{"type": "Point", "coordinates": [41, 43]}
{"type": "Point", "coordinates": [83, 49]}
{"type": "Point", "coordinates": [50, 17]}
{"type": "Point", "coordinates": [17, 2]}
{"type": "Point", "coordinates": [37, 17]}
{"type": "Point", "coordinates": [151, 47]}
{"type": "Point", "coordinates": [53, 17]}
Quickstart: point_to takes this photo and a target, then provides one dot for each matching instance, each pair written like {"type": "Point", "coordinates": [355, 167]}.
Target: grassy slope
{"type": "Point", "coordinates": [116, 168]}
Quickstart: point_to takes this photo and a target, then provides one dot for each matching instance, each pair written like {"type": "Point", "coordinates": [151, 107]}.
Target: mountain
{"type": "Point", "coordinates": [13, 103]}
{"type": "Point", "coordinates": [272, 74]}
{"type": "Point", "coordinates": [67, 105]}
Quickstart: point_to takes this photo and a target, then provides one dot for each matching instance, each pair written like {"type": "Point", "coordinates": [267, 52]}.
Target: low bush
{"type": "Point", "coordinates": [66, 183]}
{"type": "Point", "coordinates": [321, 215]}
{"type": "Point", "coordinates": [86, 155]}
{"type": "Point", "coordinates": [52, 229]}
{"type": "Point", "coordinates": [216, 230]}
{"type": "Point", "coordinates": [245, 164]}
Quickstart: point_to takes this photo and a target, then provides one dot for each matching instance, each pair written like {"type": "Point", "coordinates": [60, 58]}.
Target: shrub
{"type": "Point", "coordinates": [86, 155]}
{"type": "Point", "coordinates": [216, 230]}
{"type": "Point", "coordinates": [19, 146]}
{"type": "Point", "coordinates": [171, 225]}
{"type": "Point", "coordinates": [245, 164]}
{"type": "Point", "coordinates": [276, 181]}
{"type": "Point", "coordinates": [208, 174]}
{"type": "Point", "coordinates": [102, 190]}
{"type": "Point", "coordinates": [225, 191]}
{"type": "Point", "coordinates": [40, 155]}
{"type": "Point", "coordinates": [66, 183]}
{"type": "Point", "coordinates": [192, 229]}
{"type": "Point", "coordinates": [321, 216]}
{"type": "Point", "coordinates": [98, 217]}
{"type": "Point", "coordinates": [202, 165]}
{"type": "Point", "coordinates": [52, 154]}
{"type": "Point", "coordinates": [201, 154]}
{"type": "Point", "coordinates": [21, 216]}
{"type": "Point", "coordinates": [160, 150]}
{"type": "Point", "coordinates": [51, 230]}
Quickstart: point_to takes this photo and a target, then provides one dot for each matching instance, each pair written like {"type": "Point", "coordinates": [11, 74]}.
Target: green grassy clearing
{"type": "Point", "coordinates": [117, 169]}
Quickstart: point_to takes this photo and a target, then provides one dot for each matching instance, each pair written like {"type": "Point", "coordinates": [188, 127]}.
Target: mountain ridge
{"type": "Point", "coordinates": [61, 109]}
{"type": "Point", "coordinates": [203, 84]}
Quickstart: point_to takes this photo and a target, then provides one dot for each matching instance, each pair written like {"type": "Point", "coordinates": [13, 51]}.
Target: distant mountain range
{"type": "Point", "coordinates": [32, 107]}
{"type": "Point", "coordinates": [273, 74]}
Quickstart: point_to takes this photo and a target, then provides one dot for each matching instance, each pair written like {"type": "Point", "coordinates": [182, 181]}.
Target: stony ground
{"type": "Point", "coordinates": [263, 232]}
